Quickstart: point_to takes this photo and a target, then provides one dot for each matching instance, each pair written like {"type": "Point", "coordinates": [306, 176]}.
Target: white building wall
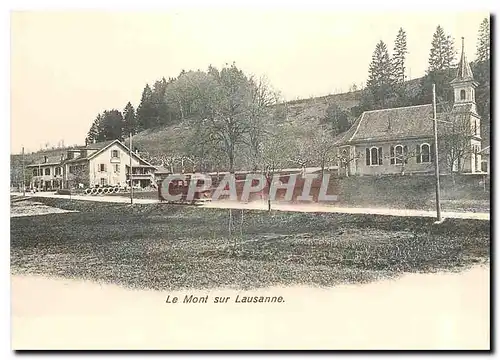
{"type": "Point", "coordinates": [110, 175]}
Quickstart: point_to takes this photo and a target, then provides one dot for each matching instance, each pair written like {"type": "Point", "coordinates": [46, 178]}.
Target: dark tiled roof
{"type": "Point", "coordinates": [51, 159]}
{"type": "Point", "coordinates": [345, 136]}
{"type": "Point", "coordinates": [95, 146]}
{"type": "Point", "coordinates": [387, 124]}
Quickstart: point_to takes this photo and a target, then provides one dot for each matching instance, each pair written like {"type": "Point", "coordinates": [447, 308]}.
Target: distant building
{"type": "Point", "coordinates": [401, 140]}
{"type": "Point", "coordinates": [99, 164]}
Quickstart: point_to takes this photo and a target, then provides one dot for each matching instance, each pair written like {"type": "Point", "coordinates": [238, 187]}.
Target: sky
{"type": "Point", "coordinates": [66, 67]}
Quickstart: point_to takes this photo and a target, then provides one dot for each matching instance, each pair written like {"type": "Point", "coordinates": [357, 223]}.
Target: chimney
{"type": "Point", "coordinates": [45, 159]}
{"type": "Point", "coordinates": [86, 142]}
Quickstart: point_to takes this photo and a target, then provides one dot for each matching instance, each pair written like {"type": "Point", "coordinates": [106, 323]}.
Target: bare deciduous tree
{"type": "Point", "coordinates": [344, 158]}
{"type": "Point", "coordinates": [455, 140]}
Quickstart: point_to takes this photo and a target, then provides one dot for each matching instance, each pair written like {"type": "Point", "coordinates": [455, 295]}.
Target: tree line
{"type": "Point", "coordinates": [229, 116]}
{"type": "Point", "coordinates": [386, 86]}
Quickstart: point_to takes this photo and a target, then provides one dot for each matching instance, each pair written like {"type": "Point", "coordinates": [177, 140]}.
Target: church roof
{"type": "Point", "coordinates": [390, 124]}
{"type": "Point", "coordinates": [486, 150]}
{"type": "Point", "coordinates": [464, 72]}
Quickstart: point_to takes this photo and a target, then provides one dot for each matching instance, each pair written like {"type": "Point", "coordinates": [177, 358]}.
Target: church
{"type": "Point", "coordinates": [401, 140]}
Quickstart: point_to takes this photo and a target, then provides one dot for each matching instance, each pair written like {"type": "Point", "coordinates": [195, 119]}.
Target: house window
{"type": "Point", "coordinates": [399, 154]}
{"type": "Point", "coordinates": [47, 171]}
{"type": "Point", "coordinates": [114, 154]}
{"type": "Point", "coordinates": [462, 94]}
{"type": "Point", "coordinates": [117, 168]}
{"type": "Point", "coordinates": [35, 172]}
{"type": "Point", "coordinates": [103, 181]}
{"type": "Point", "coordinates": [58, 171]}
{"type": "Point", "coordinates": [374, 156]}
{"type": "Point", "coordinates": [102, 167]}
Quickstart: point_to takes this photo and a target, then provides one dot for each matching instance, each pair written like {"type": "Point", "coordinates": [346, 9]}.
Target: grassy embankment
{"type": "Point", "coordinates": [170, 247]}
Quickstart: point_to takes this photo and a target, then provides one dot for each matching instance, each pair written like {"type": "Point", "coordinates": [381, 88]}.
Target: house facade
{"type": "Point", "coordinates": [401, 140]}
{"type": "Point", "coordinates": [100, 164]}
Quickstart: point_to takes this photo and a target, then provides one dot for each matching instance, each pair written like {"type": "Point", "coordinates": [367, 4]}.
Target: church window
{"type": "Point", "coordinates": [374, 156]}
{"type": "Point", "coordinates": [399, 154]}
{"type": "Point", "coordinates": [462, 94]}
{"type": "Point", "coordinates": [425, 153]}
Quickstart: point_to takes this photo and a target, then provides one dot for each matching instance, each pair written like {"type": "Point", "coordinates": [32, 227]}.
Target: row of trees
{"type": "Point", "coordinates": [386, 85]}
{"type": "Point", "coordinates": [229, 116]}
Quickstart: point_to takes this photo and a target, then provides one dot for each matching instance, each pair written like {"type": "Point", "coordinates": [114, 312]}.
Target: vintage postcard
{"type": "Point", "coordinates": [238, 179]}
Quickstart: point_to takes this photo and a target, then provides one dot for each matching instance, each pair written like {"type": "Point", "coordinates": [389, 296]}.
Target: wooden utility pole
{"type": "Point", "coordinates": [24, 175]}
{"type": "Point", "coordinates": [130, 171]}
{"type": "Point", "coordinates": [436, 157]}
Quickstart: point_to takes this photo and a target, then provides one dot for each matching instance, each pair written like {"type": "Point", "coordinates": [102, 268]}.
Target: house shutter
{"type": "Point", "coordinates": [417, 151]}
{"type": "Point", "coordinates": [367, 156]}
{"type": "Point", "coordinates": [392, 155]}
{"type": "Point", "coordinates": [432, 152]}
{"type": "Point", "coordinates": [380, 155]}
{"type": "Point", "coordinates": [405, 152]}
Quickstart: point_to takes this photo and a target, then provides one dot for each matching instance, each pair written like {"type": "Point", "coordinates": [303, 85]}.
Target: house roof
{"type": "Point", "coordinates": [96, 146]}
{"type": "Point", "coordinates": [51, 160]}
{"type": "Point", "coordinates": [108, 144]}
{"type": "Point", "coordinates": [389, 124]}
{"type": "Point", "coordinates": [101, 146]}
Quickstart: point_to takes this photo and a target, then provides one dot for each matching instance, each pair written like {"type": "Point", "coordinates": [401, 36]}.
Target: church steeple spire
{"type": "Point", "coordinates": [464, 72]}
{"type": "Point", "coordinates": [464, 83]}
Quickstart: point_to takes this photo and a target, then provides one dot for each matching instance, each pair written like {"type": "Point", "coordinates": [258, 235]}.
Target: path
{"type": "Point", "coordinates": [262, 205]}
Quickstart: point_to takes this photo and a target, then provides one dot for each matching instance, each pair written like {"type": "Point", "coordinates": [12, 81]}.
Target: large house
{"type": "Point", "coordinates": [98, 164]}
{"type": "Point", "coordinates": [401, 140]}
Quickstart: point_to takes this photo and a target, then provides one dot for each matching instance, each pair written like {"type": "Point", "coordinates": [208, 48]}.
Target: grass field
{"type": "Point", "coordinates": [172, 247]}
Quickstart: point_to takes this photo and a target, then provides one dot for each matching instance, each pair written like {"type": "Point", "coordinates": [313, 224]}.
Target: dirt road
{"type": "Point", "coordinates": [262, 205]}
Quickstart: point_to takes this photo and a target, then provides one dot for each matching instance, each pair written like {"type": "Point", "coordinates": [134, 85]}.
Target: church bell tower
{"type": "Point", "coordinates": [464, 86]}
{"type": "Point", "coordinates": [464, 109]}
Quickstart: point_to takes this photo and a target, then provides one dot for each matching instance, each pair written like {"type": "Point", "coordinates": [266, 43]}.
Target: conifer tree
{"type": "Point", "coordinates": [380, 82]}
{"type": "Point", "coordinates": [145, 114]}
{"type": "Point", "coordinates": [111, 125]}
{"type": "Point", "coordinates": [399, 57]}
{"type": "Point", "coordinates": [481, 70]}
{"type": "Point", "coordinates": [93, 133]}
{"type": "Point", "coordinates": [129, 120]}
{"type": "Point", "coordinates": [442, 55]}
{"type": "Point", "coordinates": [159, 102]}
{"type": "Point", "coordinates": [483, 41]}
